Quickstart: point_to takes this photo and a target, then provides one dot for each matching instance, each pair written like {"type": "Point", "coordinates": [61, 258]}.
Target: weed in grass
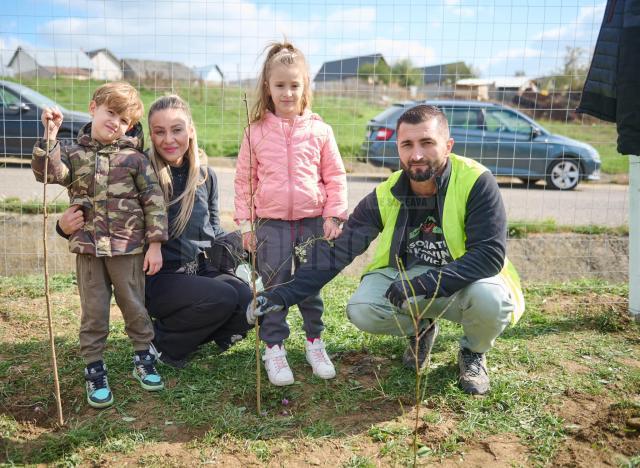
{"type": "Point", "coordinates": [261, 450]}
{"type": "Point", "coordinates": [359, 461]}
{"type": "Point", "coordinates": [151, 460]}
{"type": "Point", "coordinates": [633, 462]}
{"type": "Point", "coordinates": [388, 432]}
{"type": "Point", "coordinates": [123, 443]}
{"type": "Point", "coordinates": [319, 428]}
{"type": "Point", "coordinates": [431, 417]}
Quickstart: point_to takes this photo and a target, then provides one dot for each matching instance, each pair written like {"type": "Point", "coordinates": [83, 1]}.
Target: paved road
{"type": "Point", "coordinates": [604, 204]}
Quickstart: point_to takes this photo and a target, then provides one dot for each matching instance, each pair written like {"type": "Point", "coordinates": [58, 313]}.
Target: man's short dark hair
{"type": "Point", "coordinates": [424, 113]}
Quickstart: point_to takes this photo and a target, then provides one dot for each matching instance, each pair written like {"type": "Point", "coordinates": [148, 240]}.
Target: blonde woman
{"type": "Point", "coordinates": [191, 302]}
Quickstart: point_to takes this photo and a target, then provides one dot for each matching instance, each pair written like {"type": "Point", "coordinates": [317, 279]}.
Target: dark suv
{"type": "Point", "coordinates": [506, 141]}
{"type": "Point", "coordinates": [20, 127]}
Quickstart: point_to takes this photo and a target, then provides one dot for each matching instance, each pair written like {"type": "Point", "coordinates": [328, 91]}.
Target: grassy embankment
{"type": "Point", "coordinates": [220, 118]}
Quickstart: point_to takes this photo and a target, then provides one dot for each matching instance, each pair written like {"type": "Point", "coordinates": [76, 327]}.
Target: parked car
{"type": "Point", "coordinates": [506, 141]}
{"type": "Point", "coordinates": [20, 124]}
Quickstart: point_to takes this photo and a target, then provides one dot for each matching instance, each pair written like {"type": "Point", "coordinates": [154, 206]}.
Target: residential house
{"type": "Point", "coordinates": [45, 63]}
{"type": "Point", "coordinates": [343, 73]}
{"type": "Point", "coordinates": [439, 79]}
{"type": "Point", "coordinates": [156, 70]}
{"type": "Point", "coordinates": [105, 65]}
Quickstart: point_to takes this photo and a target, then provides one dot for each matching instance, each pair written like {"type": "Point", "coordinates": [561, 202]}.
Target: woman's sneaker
{"type": "Point", "coordinates": [278, 370]}
{"type": "Point", "coordinates": [164, 358]}
{"type": "Point", "coordinates": [145, 372]}
{"type": "Point", "coordinates": [98, 392]}
{"type": "Point", "coordinates": [318, 358]}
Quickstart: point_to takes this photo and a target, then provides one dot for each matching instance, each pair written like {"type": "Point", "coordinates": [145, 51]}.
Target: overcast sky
{"type": "Point", "coordinates": [496, 37]}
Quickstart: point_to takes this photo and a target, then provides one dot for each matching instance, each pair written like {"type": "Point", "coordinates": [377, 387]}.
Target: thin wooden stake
{"type": "Point", "coordinates": [47, 295]}
{"type": "Point", "coordinates": [253, 258]}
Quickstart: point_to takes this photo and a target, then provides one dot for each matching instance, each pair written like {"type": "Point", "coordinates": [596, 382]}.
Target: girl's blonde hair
{"type": "Point", "coordinates": [195, 157]}
{"type": "Point", "coordinates": [283, 53]}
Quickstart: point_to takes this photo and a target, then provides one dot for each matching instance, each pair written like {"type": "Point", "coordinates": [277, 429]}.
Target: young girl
{"type": "Point", "coordinates": [291, 181]}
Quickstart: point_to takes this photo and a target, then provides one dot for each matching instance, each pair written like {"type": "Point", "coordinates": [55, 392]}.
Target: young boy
{"type": "Point", "coordinates": [112, 181]}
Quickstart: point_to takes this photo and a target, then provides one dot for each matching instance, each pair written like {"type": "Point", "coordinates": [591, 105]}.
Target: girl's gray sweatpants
{"type": "Point", "coordinates": [281, 247]}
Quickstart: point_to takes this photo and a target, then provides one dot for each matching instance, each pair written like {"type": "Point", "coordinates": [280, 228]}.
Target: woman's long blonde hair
{"type": "Point", "coordinates": [194, 156]}
{"type": "Point", "coordinates": [283, 53]}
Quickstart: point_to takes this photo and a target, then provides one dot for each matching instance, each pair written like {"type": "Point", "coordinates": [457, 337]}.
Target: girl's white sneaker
{"type": "Point", "coordinates": [319, 360]}
{"type": "Point", "coordinates": [278, 370]}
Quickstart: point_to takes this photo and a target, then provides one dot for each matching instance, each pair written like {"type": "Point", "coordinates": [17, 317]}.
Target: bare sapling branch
{"type": "Point", "coordinates": [253, 255]}
{"type": "Point", "coordinates": [52, 344]}
{"type": "Point", "coordinates": [417, 315]}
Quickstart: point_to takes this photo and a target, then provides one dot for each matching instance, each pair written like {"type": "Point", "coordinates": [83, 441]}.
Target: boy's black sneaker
{"type": "Point", "coordinates": [421, 346]}
{"type": "Point", "coordinates": [145, 372]}
{"type": "Point", "coordinates": [98, 392]}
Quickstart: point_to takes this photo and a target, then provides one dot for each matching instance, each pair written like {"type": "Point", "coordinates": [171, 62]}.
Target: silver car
{"type": "Point", "coordinates": [506, 141]}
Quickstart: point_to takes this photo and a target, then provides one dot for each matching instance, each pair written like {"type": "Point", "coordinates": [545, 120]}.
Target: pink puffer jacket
{"type": "Point", "coordinates": [297, 171]}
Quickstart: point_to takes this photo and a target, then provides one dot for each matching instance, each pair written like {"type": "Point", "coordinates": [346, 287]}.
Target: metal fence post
{"type": "Point", "coordinates": [634, 237]}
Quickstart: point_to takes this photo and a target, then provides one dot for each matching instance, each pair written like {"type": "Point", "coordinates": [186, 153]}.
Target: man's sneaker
{"type": "Point", "coordinates": [422, 346]}
{"type": "Point", "coordinates": [319, 360]}
{"type": "Point", "coordinates": [278, 370]}
{"type": "Point", "coordinates": [98, 392]}
{"type": "Point", "coordinates": [164, 358]}
{"type": "Point", "coordinates": [473, 372]}
{"type": "Point", "coordinates": [145, 371]}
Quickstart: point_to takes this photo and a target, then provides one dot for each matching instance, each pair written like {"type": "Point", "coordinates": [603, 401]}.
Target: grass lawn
{"type": "Point", "coordinates": [565, 385]}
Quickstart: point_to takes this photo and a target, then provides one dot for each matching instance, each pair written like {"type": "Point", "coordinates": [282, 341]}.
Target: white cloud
{"type": "Point", "coordinates": [392, 50]}
{"type": "Point", "coordinates": [513, 54]}
{"type": "Point", "coordinates": [231, 34]}
{"type": "Point", "coordinates": [579, 28]}
{"type": "Point", "coordinates": [457, 8]}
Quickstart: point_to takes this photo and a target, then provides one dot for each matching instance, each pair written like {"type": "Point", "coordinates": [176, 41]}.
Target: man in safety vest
{"type": "Point", "coordinates": [441, 253]}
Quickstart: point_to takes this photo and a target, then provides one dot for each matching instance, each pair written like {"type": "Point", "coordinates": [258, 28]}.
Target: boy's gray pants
{"type": "Point", "coordinates": [484, 308]}
{"type": "Point", "coordinates": [276, 258]}
{"type": "Point", "coordinates": [96, 275]}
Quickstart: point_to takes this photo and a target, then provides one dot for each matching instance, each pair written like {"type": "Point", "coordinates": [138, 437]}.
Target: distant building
{"type": "Point", "coordinates": [105, 65]}
{"type": "Point", "coordinates": [340, 73]}
{"type": "Point", "coordinates": [5, 71]}
{"type": "Point", "coordinates": [156, 70]}
{"type": "Point", "coordinates": [46, 63]}
{"type": "Point", "coordinates": [501, 89]}
{"type": "Point", "coordinates": [246, 83]}
{"type": "Point", "coordinates": [443, 74]}
{"type": "Point", "coordinates": [473, 88]}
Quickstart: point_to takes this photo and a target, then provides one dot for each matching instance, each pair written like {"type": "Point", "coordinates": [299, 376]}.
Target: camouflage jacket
{"type": "Point", "coordinates": [116, 186]}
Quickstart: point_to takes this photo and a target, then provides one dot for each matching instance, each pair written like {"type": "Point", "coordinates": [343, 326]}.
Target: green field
{"type": "Point", "coordinates": [220, 117]}
{"type": "Point", "coordinates": [220, 114]}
